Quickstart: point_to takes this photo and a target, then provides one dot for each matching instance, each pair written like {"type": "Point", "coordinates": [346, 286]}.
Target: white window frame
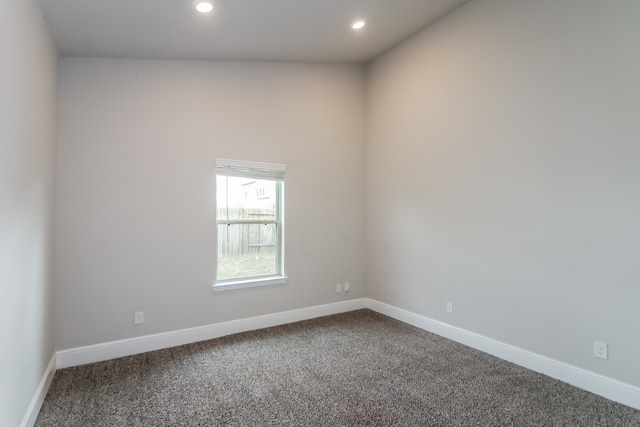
{"type": "Point", "coordinates": [255, 170]}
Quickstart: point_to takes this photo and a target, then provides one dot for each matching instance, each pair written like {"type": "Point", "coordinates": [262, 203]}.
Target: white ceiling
{"type": "Point", "coordinates": [273, 30]}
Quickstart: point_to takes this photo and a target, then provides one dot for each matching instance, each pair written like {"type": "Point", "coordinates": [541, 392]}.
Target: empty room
{"type": "Point", "coordinates": [321, 212]}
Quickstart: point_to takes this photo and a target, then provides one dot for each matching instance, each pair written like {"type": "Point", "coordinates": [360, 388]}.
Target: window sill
{"type": "Point", "coordinates": [250, 283]}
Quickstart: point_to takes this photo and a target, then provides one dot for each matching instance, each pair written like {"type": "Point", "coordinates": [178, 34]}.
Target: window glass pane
{"type": "Point", "coordinates": [245, 198]}
{"type": "Point", "coordinates": [246, 250]}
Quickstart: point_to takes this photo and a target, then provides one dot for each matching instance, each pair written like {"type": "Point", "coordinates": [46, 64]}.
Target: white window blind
{"type": "Point", "coordinates": [246, 169]}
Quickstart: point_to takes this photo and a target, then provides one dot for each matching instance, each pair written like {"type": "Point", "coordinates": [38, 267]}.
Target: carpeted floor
{"type": "Point", "coordinates": [352, 369]}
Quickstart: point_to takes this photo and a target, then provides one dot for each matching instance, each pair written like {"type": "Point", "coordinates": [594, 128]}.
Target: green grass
{"type": "Point", "coordinates": [233, 267]}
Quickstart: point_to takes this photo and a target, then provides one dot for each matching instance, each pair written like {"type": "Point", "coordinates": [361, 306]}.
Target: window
{"type": "Point", "coordinates": [249, 215]}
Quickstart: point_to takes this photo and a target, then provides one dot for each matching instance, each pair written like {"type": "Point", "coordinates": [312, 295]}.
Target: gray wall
{"type": "Point", "coordinates": [136, 188]}
{"type": "Point", "coordinates": [27, 149]}
{"type": "Point", "coordinates": [503, 170]}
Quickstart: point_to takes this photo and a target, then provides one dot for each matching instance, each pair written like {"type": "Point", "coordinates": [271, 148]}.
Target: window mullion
{"type": "Point", "coordinates": [247, 221]}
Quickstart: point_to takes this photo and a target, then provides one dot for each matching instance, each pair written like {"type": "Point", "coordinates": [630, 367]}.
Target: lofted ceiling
{"type": "Point", "coordinates": [260, 30]}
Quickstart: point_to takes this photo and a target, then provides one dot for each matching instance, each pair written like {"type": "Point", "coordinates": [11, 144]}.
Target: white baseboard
{"type": "Point", "coordinates": [33, 410]}
{"type": "Point", "coordinates": [609, 388]}
{"type": "Point", "coordinates": [127, 347]}
{"type": "Point", "coordinates": [598, 384]}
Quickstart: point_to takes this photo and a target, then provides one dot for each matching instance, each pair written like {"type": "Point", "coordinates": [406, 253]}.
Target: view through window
{"type": "Point", "coordinates": [249, 218]}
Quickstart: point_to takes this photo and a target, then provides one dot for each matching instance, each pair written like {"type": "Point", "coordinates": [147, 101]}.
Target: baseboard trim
{"type": "Point", "coordinates": [33, 410]}
{"type": "Point", "coordinates": [128, 347]}
{"type": "Point", "coordinates": [601, 385]}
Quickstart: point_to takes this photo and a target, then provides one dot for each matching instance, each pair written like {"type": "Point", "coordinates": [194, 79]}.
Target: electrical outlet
{"type": "Point", "coordinates": [347, 286]}
{"type": "Point", "coordinates": [138, 318]}
{"type": "Point", "coordinates": [601, 350]}
{"type": "Point", "coordinates": [338, 287]}
{"type": "Point", "coordinates": [450, 307]}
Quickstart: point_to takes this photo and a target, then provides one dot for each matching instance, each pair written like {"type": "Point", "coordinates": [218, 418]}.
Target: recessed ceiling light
{"type": "Point", "coordinates": [356, 25]}
{"type": "Point", "coordinates": [203, 6]}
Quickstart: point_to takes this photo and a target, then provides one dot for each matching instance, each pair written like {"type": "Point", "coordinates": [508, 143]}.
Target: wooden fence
{"type": "Point", "coordinates": [246, 239]}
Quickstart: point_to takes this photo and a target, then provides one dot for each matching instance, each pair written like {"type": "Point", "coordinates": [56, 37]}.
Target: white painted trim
{"type": "Point", "coordinates": [127, 347]}
{"type": "Point", "coordinates": [250, 283]}
{"type": "Point", "coordinates": [33, 410]}
{"type": "Point", "coordinates": [609, 388]}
